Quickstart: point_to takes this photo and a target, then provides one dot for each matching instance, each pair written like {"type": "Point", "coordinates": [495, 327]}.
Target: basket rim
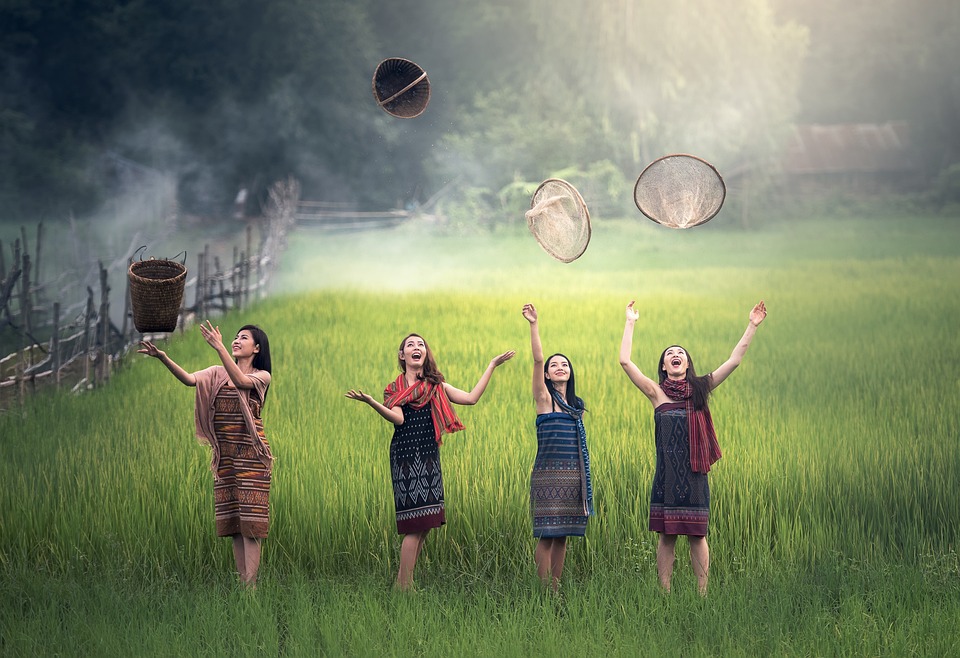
{"type": "Point", "coordinates": [182, 273]}
{"type": "Point", "coordinates": [723, 186]}
{"type": "Point", "coordinates": [582, 205]}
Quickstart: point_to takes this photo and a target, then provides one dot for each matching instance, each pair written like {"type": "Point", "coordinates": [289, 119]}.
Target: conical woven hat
{"type": "Point", "coordinates": [680, 191]}
{"type": "Point", "coordinates": [559, 220]}
{"type": "Point", "coordinates": [401, 88]}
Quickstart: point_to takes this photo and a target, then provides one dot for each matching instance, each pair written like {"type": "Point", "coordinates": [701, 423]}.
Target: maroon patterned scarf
{"type": "Point", "coordinates": [421, 394]}
{"type": "Point", "coordinates": [704, 449]}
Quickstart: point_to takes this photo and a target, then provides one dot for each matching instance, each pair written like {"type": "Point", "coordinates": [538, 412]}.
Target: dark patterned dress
{"type": "Point", "coordinates": [680, 500]}
{"type": "Point", "coordinates": [415, 468]}
{"type": "Point", "coordinates": [557, 481]}
{"type": "Point", "coordinates": [242, 495]}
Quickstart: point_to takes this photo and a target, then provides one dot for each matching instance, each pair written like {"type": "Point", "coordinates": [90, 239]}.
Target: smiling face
{"type": "Point", "coordinates": [674, 362]}
{"type": "Point", "coordinates": [244, 346]}
{"type": "Point", "coordinates": [558, 369]}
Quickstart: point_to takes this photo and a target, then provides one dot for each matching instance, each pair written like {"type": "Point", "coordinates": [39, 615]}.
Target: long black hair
{"type": "Point", "coordinates": [701, 385]}
{"type": "Point", "coordinates": [261, 360]}
{"type": "Point", "coordinates": [572, 398]}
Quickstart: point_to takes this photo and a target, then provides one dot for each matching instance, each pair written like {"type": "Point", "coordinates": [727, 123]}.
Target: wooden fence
{"type": "Point", "coordinates": [77, 344]}
{"type": "Point", "coordinates": [333, 216]}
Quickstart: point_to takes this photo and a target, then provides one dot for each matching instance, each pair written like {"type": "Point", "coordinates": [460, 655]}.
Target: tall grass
{"type": "Point", "coordinates": [835, 496]}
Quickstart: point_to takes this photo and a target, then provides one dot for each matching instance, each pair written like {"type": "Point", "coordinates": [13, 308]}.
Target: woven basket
{"type": "Point", "coordinates": [156, 291]}
{"type": "Point", "coordinates": [401, 88]}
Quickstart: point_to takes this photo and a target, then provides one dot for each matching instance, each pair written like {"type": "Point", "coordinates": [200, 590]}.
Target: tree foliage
{"type": "Point", "coordinates": [229, 94]}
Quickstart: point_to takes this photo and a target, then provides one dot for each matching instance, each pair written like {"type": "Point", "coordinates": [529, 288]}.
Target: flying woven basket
{"type": "Point", "coordinates": [558, 218]}
{"type": "Point", "coordinates": [680, 191]}
{"type": "Point", "coordinates": [156, 292]}
{"type": "Point", "coordinates": [401, 88]}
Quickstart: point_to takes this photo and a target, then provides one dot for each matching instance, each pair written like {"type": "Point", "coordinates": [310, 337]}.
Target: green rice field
{"type": "Point", "coordinates": [835, 515]}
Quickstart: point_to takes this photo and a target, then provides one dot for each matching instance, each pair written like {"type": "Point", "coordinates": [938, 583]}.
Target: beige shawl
{"type": "Point", "coordinates": [209, 382]}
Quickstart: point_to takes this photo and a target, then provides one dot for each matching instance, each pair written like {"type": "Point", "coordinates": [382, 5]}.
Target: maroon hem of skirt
{"type": "Point", "coordinates": [420, 524]}
{"type": "Point", "coordinates": [231, 527]}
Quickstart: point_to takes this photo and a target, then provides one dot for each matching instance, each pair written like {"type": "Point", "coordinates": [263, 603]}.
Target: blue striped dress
{"type": "Point", "coordinates": [557, 483]}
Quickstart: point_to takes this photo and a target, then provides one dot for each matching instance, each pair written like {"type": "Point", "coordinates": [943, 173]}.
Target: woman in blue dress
{"type": "Point", "coordinates": [686, 444]}
{"type": "Point", "coordinates": [561, 493]}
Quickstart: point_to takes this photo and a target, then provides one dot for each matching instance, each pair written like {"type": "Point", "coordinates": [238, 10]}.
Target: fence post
{"type": "Point", "coordinates": [25, 320]}
{"type": "Point", "coordinates": [235, 279]}
{"type": "Point", "coordinates": [218, 273]}
{"type": "Point", "coordinates": [103, 326]}
{"type": "Point", "coordinates": [246, 265]}
{"type": "Point", "coordinates": [126, 307]}
{"type": "Point", "coordinates": [36, 261]}
{"type": "Point", "coordinates": [55, 345]}
{"type": "Point", "coordinates": [86, 337]}
{"type": "Point", "coordinates": [198, 293]}
{"type": "Point", "coordinates": [206, 277]}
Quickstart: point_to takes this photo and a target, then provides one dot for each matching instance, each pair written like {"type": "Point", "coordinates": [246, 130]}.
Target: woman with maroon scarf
{"type": "Point", "coordinates": [418, 403]}
{"type": "Point", "coordinates": [686, 444]}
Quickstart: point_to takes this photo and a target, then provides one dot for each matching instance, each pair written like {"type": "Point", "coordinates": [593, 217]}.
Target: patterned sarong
{"type": "Point", "coordinates": [680, 499]}
{"type": "Point", "coordinates": [241, 493]}
{"type": "Point", "coordinates": [557, 483]}
{"type": "Point", "coordinates": [415, 469]}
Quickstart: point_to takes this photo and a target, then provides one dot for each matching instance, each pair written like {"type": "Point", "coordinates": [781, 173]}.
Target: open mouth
{"type": "Point", "coordinates": [675, 362]}
{"type": "Point", "coordinates": [416, 355]}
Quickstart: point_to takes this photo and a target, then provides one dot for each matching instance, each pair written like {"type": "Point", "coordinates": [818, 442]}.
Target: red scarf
{"type": "Point", "coordinates": [704, 449]}
{"type": "Point", "coordinates": [420, 395]}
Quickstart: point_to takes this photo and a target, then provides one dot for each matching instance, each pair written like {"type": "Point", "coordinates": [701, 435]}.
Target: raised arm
{"type": "Point", "coordinates": [649, 387]}
{"type": "Point", "coordinates": [392, 414]}
{"type": "Point", "coordinates": [211, 334]}
{"type": "Point", "coordinates": [462, 397]}
{"type": "Point", "coordinates": [150, 349]}
{"type": "Point", "coordinates": [757, 315]}
{"type": "Point", "coordinates": [541, 396]}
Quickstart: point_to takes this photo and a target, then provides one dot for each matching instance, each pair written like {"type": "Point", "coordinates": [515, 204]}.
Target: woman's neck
{"type": "Point", "coordinates": [561, 388]}
{"type": "Point", "coordinates": [412, 376]}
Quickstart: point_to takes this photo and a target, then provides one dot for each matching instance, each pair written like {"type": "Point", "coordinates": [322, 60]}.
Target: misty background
{"type": "Point", "coordinates": [196, 101]}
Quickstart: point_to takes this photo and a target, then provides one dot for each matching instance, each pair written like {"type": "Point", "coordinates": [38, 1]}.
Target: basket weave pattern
{"type": "Point", "coordinates": [156, 292]}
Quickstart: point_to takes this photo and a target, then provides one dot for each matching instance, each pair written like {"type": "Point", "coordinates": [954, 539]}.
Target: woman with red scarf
{"type": "Point", "coordinates": [418, 403]}
{"type": "Point", "coordinates": [686, 444]}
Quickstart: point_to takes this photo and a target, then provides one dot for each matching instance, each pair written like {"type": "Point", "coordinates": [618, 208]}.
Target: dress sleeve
{"type": "Point", "coordinates": [261, 382]}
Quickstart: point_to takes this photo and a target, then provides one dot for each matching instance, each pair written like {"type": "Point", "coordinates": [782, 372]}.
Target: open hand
{"type": "Point", "coordinates": [359, 395]}
{"type": "Point", "coordinates": [758, 313]}
{"type": "Point", "coordinates": [150, 349]}
{"type": "Point", "coordinates": [211, 334]}
{"type": "Point", "coordinates": [632, 314]}
{"type": "Point", "coordinates": [502, 358]}
{"type": "Point", "coordinates": [530, 313]}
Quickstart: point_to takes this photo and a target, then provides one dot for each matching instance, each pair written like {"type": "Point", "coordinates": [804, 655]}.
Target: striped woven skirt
{"type": "Point", "coordinates": [242, 496]}
{"type": "Point", "coordinates": [680, 499]}
{"type": "Point", "coordinates": [557, 481]}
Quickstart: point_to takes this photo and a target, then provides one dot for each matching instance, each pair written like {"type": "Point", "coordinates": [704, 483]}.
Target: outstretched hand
{"type": "Point", "coordinates": [211, 334]}
{"type": "Point", "coordinates": [359, 395]}
{"type": "Point", "coordinates": [150, 349]}
{"type": "Point", "coordinates": [530, 313]}
{"type": "Point", "coordinates": [758, 313]}
{"type": "Point", "coordinates": [502, 358]}
{"type": "Point", "coordinates": [632, 314]}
